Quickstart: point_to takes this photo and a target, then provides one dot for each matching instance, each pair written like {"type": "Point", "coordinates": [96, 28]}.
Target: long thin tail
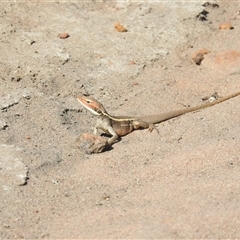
{"type": "Point", "coordinates": [157, 118]}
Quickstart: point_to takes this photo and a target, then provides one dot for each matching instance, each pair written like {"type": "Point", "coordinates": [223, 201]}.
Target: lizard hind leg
{"type": "Point", "coordinates": [142, 124]}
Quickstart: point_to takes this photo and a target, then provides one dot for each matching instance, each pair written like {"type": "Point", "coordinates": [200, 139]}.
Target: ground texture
{"type": "Point", "coordinates": [181, 181]}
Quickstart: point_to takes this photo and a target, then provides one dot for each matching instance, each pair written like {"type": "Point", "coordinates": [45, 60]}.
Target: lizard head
{"type": "Point", "coordinates": [91, 104]}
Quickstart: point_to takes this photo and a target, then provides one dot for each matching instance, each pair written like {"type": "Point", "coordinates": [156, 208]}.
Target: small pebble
{"type": "Point", "coordinates": [225, 26]}
{"type": "Point", "coordinates": [63, 35]}
{"type": "Point", "coordinates": [119, 27]}
{"type": "Point", "coordinates": [198, 56]}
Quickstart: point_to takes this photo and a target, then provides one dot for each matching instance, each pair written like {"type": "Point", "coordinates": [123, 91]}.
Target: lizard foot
{"type": "Point", "coordinates": [152, 127]}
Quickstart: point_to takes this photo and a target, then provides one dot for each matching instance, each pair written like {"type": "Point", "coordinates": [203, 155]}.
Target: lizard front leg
{"type": "Point", "coordinates": [114, 137]}
{"type": "Point", "coordinates": [105, 125]}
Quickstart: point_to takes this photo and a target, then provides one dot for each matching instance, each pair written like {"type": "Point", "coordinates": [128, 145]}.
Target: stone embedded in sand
{"type": "Point", "coordinates": [13, 171]}
{"type": "Point", "coordinates": [64, 35]}
{"type": "Point", "coordinates": [90, 143]}
{"type": "Point", "coordinates": [119, 27]}
{"type": "Point", "coordinates": [225, 26]}
{"type": "Point", "coordinates": [228, 61]}
{"type": "Point", "coordinates": [198, 56]}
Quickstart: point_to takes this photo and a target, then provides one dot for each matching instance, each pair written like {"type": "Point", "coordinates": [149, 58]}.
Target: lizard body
{"type": "Point", "coordinates": [121, 125]}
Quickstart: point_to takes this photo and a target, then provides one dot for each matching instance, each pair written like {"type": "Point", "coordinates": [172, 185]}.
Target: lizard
{"type": "Point", "coordinates": [117, 126]}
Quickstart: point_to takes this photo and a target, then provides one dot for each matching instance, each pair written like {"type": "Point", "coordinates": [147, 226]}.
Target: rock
{"type": "Point", "coordinates": [225, 61]}
{"type": "Point", "coordinates": [3, 125]}
{"type": "Point", "coordinates": [225, 26]}
{"type": "Point", "coordinates": [64, 35]}
{"type": "Point", "coordinates": [90, 143]}
{"type": "Point", "coordinates": [198, 56]}
{"type": "Point", "coordinates": [13, 171]}
{"type": "Point", "coordinates": [119, 27]}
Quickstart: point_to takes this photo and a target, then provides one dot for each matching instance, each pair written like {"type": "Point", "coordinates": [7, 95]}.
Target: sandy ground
{"type": "Point", "coordinates": [180, 182]}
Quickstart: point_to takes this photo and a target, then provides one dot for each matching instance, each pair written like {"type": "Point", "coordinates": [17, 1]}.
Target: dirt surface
{"type": "Point", "coordinates": [180, 182]}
